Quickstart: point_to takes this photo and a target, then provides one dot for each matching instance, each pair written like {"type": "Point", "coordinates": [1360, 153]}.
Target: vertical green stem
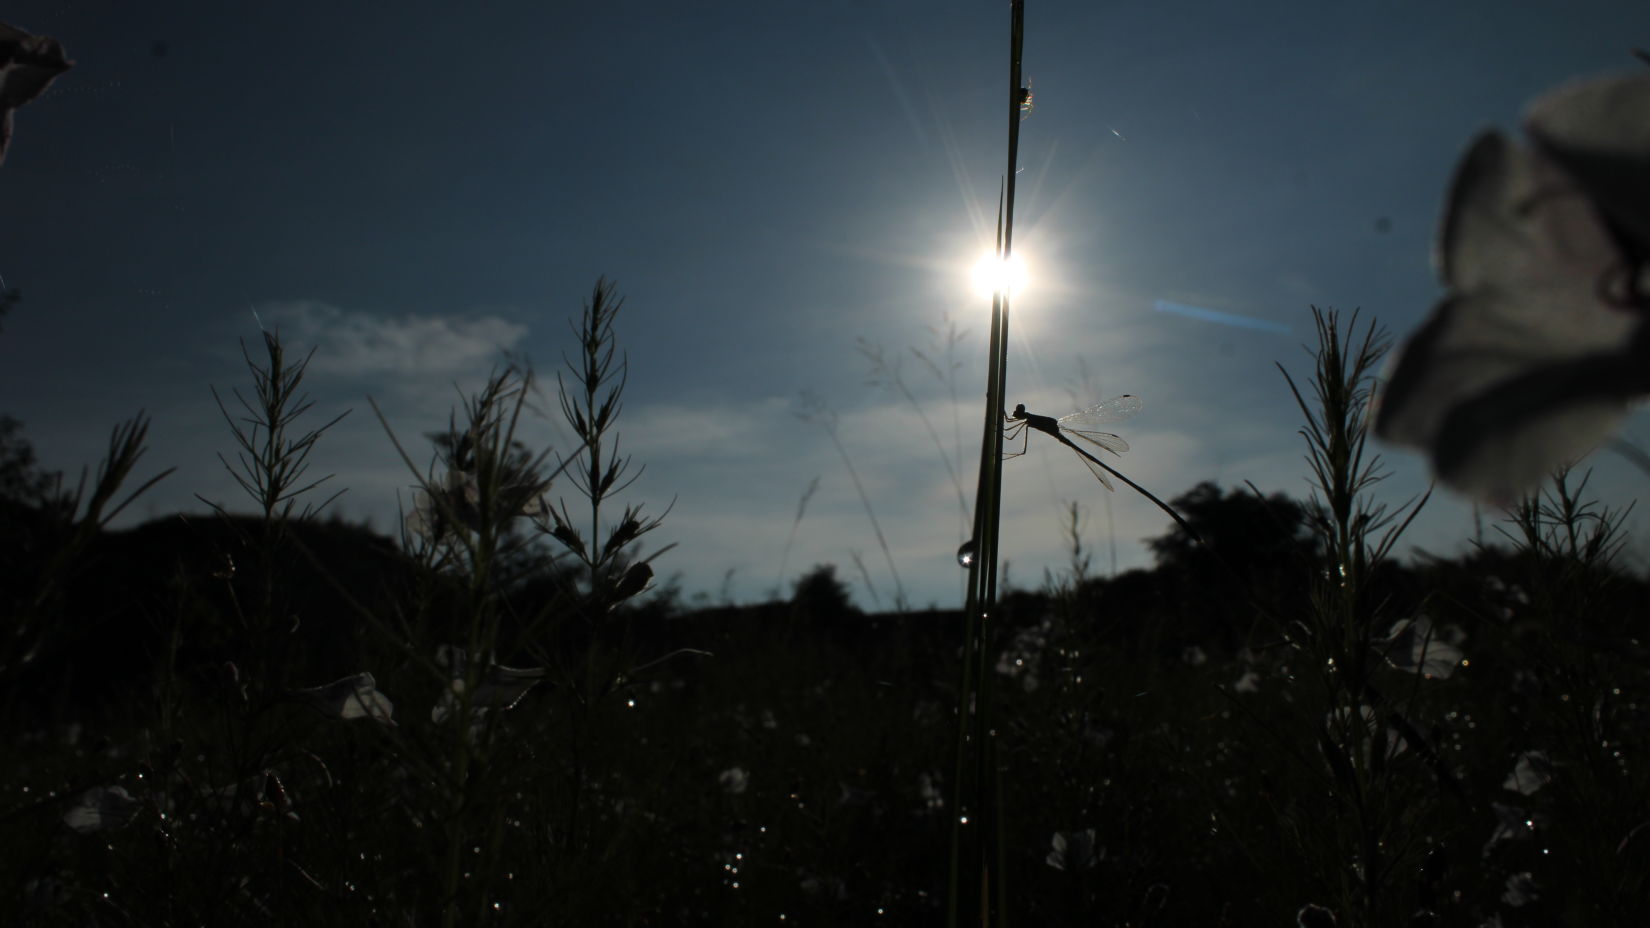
{"type": "Point", "coordinates": [978, 879]}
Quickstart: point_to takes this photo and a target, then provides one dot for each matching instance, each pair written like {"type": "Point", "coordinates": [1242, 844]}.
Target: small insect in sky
{"type": "Point", "coordinates": [1115, 409]}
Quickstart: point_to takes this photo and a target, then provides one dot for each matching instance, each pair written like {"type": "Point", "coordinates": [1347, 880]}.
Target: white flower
{"type": "Point", "coordinates": [500, 687]}
{"type": "Point", "coordinates": [1413, 644]}
{"type": "Point", "coordinates": [1530, 773]}
{"type": "Point", "coordinates": [1338, 721]}
{"type": "Point", "coordinates": [1074, 852]}
{"type": "Point", "coordinates": [1532, 358]}
{"type": "Point", "coordinates": [1521, 889]}
{"type": "Point", "coordinates": [734, 780]}
{"type": "Point", "coordinates": [100, 808]}
{"type": "Point", "coordinates": [1021, 658]}
{"type": "Point", "coordinates": [354, 697]}
{"type": "Point", "coordinates": [421, 520]}
{"type": "Point", "coordinates": [931, 796]}
{"type": "Point", "coordinates": [1511, 822]}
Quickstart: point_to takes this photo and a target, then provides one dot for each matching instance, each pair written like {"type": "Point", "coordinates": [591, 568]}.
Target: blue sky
{"type": "Point", "coordinates": [411, 191]}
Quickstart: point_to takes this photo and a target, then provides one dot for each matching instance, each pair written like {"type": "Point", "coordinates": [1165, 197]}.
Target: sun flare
{"type": "Point", "coordinates": [991, 274]}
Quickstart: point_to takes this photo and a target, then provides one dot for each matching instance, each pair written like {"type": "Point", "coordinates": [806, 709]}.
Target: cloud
{"type": "Point", "coordinates": [362, 344]}
{"type": "Point", "coordinates": [723, 431]}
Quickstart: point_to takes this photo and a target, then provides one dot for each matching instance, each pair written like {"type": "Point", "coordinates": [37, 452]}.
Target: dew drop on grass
{"type": "Point", "coordinates": [965, 554]}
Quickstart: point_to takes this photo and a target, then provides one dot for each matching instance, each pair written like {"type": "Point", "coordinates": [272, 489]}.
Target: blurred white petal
{"type": "Point", "coordinates": [500, 687]}
{"type": "Point", "coordinates": [1599, 130]}
{"type": "Point", "coordinates": [1511, 823]}
{"type": "Point", "coordinates": [1414, 644]}
{"type": "Point", "coordinates": [1339, 719]}
{"type": "Point", "coordinates": [734, 780]}
{"type": "Point", "coordinates": [1530, 773]}
{"type": "Point", "coordinates": [353, 697]}
{"type": "Point", "coordinates": [1531, 361]}
{"type": "Point", "coordinates": [1521, 889]}
{"type": "Point", "coordinates": [1074, 852]}
{"type": "Point", "coordinates": [100, 808]}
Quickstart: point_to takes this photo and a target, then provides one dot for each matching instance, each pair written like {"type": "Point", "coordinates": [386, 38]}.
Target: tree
{"type": "Point", "coordinates": [21, 479]}
{"type": "Point", "coordinates": [1245, 530]}
{"type": "Point", "coordinates": [1254, 549]}
{"type": "Point", "coordinates": [820, 595]}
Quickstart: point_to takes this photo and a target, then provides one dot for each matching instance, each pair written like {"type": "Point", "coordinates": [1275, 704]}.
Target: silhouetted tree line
{"type": "Point", "coordinates": [134, 589]}
{"type": "Point", "coordinates": [843, 721]}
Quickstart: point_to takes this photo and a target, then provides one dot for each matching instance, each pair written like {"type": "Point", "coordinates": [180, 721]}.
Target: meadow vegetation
{"type": "Point", "coordinates": [275, 717]}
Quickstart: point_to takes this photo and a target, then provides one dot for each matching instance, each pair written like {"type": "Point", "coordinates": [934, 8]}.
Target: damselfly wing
{"type": "Point", "coordinates": [1078, 424]}
{"type": "Point", "coordinates": [1116, 409]}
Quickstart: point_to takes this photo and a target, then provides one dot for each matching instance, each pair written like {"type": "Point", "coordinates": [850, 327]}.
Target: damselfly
{"type": "Point", "coordinates": [1027, 104]}
{"type": "Point", "coordinates": [1115, 409]}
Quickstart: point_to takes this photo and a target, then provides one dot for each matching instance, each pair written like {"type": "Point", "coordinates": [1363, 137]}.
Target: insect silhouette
{"type": "Point", "coordinates": [1027, 101]}
{"type": "Point", "coordinates": [1116, 409]}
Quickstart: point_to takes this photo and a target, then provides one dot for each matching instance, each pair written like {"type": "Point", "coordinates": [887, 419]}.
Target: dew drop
{"type": "Point", "coordinates": [965, 554]}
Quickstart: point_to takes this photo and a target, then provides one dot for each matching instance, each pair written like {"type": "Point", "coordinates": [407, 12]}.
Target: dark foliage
{"type": "Point", "coordinates": [21, 479]}
{"type": "Point", "coordinates": [1161, 768]}
{"type": "Point", "coordinates": [183, 582]}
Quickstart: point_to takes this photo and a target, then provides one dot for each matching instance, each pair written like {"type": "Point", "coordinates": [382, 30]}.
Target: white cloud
{"type": "Point", "coordinates": [668, 428]}
{"type": "Point", "coordinates": [426, 347]}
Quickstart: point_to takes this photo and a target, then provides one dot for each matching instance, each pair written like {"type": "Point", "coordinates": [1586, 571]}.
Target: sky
{"type": "Point", "coordinates": [773, 187]}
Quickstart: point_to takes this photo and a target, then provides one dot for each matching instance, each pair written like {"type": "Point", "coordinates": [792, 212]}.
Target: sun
{"type": "Point", "coordinates": [991, 275]}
